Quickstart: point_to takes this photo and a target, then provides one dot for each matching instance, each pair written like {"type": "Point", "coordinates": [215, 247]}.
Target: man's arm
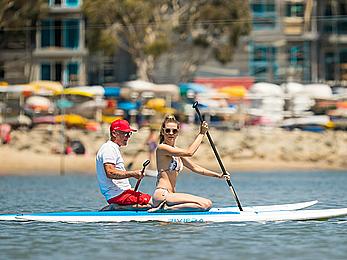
{"type": "Point", "coordinates": [114, 173]}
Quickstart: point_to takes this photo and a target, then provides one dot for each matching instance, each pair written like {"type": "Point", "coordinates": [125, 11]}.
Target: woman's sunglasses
{"type": "Point", "coordinates": [171, 130]}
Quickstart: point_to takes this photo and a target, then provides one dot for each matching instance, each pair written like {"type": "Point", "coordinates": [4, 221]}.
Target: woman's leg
{"type": "Point", "coordinates": [183, 201]}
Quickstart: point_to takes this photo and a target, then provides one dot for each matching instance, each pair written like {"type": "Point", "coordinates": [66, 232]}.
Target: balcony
{"type": "Point", "coordinates": [293, 25]}
{"type": "Point", "coordinates": [59, 52]}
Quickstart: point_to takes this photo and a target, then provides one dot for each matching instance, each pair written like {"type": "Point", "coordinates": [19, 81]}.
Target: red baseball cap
{"type": "Point", "coordinates": [121, 125]}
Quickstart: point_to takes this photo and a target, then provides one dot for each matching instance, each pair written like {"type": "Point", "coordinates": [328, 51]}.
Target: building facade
{"type": "Point", "coordinates": [54, 50]}
{"type": "Point", "coordinates": [301, 40]}
{"type": "Point", "coordinates": [60, 53]}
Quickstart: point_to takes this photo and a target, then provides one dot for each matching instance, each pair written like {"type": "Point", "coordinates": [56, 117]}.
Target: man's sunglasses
{"type": "Point", "coordinates": [171, 130]}
{"type": "Point", "coordinates": [125, 134]}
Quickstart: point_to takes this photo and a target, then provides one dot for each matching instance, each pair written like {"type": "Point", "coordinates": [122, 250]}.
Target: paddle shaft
{"type": "Point", "coordinates": [219, 159]}
{"type": "Point", "coordinates": [142, 171]}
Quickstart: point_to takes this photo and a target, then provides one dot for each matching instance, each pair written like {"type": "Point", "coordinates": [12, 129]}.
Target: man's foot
{"type": "Point", "coordinates": [116, 207]}
{"type": "Point", "coordinates": [161, 207]}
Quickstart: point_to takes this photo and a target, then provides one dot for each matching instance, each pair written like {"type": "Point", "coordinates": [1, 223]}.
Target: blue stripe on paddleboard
{"type": "Point", "coordinates": [126, 213]}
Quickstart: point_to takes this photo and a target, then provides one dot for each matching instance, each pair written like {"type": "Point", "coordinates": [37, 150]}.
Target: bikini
{"type": "Point", "coordinates": [176, 165]}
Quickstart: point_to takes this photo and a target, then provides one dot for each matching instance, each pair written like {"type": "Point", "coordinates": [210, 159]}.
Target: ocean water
{"type": "Point", "coordinates": [273, 240]}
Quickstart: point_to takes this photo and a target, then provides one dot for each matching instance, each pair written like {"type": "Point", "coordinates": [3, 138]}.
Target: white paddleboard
{"type": "Point", "coordinates": [115, 216]}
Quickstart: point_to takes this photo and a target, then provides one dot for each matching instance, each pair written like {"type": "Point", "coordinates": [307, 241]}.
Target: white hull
{"type": "Point", "coordinates": [126, 216]}
{"type": "Point", "coordinates": [229, 214]}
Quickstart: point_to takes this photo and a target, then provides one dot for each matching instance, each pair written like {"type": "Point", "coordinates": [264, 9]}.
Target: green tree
{"type": "Point", "coordinates": [151, 28]}
{"type": "Point", "coordinates": [19, 17]}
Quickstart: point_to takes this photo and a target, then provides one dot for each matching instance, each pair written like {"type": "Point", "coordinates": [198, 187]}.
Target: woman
{"type": "Point", "coordinates": [170, 162]}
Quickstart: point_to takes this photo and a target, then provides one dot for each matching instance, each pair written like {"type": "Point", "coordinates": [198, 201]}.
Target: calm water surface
{"type": "Point", "coordinates": [286, 240]}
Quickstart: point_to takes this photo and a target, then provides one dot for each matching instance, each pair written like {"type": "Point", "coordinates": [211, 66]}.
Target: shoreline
{"type": "Point", "coordinates": [253, 149]}
{"type": "Point", "coordinates": [23, 164]}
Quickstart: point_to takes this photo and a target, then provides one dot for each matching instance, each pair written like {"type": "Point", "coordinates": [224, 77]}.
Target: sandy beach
{"type": "Point", "coordinates": [31, 152]}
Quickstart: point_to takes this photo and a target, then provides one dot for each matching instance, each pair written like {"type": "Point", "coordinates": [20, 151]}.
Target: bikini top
{"type": "Point", "coordinates": [176, 164]}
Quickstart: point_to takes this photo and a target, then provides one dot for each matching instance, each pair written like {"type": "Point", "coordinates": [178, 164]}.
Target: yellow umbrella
{"type": "Point", "coordinates": [156, 103]}
{"type": "Point", "coordinates": [110, 119]}
{"type": "Point", "coordinates": [54, 87]}
{"type": "Point", "coordinates": [71, 120]}
{"type": "Point", "coordinates": [234, 91]}
{"type": "Point", "coordinates": [166, 110]}
{"type": "Point", "coordinates": [76, 91]}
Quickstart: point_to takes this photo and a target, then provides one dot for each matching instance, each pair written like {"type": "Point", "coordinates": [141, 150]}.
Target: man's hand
{"type": "Point", "coordinates": [137, 174]}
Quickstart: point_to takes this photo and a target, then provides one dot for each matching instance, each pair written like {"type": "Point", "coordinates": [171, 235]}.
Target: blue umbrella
{"type": "Point", "coordinates": [112, 91]}
{"type": "Point", "coordinates": [126, 105]}
{"type": "Point", "coordinates": [196, 88]}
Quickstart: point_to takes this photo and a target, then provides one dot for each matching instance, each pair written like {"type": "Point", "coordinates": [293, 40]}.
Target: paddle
{"type": "Point", "coordinates": [195, 106]}
{"type": "Point", "coordinates": [142, 171]}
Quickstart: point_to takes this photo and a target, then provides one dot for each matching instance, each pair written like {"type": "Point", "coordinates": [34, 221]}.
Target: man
{"type": "Point", "coordinates": [112, 176]}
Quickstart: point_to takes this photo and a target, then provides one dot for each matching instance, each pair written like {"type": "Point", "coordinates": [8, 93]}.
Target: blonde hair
{"type": "Point", "coordinates": [167, 119]}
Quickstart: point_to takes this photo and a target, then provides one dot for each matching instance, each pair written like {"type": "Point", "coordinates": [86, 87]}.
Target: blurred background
{"type": "Point", "coordinates": [270, 77]}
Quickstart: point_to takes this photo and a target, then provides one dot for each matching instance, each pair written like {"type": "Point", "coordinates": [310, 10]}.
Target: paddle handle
{"type": "Point", "coordinates": [195, 106]}
{"type": "Point", "coordinates": [142, 171]}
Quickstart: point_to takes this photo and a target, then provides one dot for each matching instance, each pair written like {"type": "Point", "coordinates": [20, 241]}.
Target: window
{"type": "Point", "coordinates": [2, 71]}
{"type": "Point", "coordinates": [46, 33]}
{"type": "Point", "coordinates": [263, 63]}
{"type": "Point", "coordinates": [264, 15]}
{"type": "Point", "coordinates": [64, 3]}
{"type": "Point", "coordinates": [72, 3]}
{"type": "Point", "coordinates": [45, 71]}
{"type": "Point", "coordinates": [59, 33]}
{"type": "Point", "coordinates": [295, 10]}
{"type": "Point", "coordinates": [52, 71]}
{"type": "Point", "coordinates": [71, 33]}
{"type": "Point", "coordinates": [72, 72]}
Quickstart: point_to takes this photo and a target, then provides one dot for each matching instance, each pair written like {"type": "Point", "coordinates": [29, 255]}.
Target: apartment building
{"type": "Point", "coordinates": [54, 50]}
{"type": "Point", "coordinates": [301, 40]}
{"type": "Point", "coordinates": [60, 53]}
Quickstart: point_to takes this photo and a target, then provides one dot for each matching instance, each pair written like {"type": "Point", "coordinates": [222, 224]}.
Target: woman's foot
{"type": "Point", "coordinates": [162, 206]}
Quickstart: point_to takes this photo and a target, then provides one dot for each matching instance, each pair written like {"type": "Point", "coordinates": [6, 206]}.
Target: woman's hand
{"type": "Point", "coordinates": [226, 176]}
{"type": "Point", "coordinates": [203, 127]}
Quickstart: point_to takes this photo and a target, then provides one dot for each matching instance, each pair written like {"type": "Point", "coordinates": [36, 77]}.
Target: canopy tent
{"type": "Point", "coordinates": [318, 91]}
{"type": "Point", "coordinates": [167, 91]}
{"type": "Point", "coordinates": [265, 89]}
{"type": "Point", "coordinates": [292, 88]}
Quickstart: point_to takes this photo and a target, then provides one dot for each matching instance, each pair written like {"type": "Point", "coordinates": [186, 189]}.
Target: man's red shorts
{"type": "Point", "coordinates": [130, 197]}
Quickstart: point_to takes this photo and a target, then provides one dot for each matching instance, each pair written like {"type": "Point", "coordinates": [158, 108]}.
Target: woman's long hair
{"type": "Point", "coordinates": [168, 119]}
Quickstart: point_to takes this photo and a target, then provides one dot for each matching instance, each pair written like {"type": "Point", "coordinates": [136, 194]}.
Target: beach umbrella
{"type": "Point", "coordinates": [318, 91]}
{"type": "Point", "coordinates": [87, 91]}
{"type": "Point", "coordinates": [156, 103]}
{"type": "Point", "coordinates": [192, 87]}
{"type": "Point", "coordinates": [266, 89]}
{"type": "Point", "coordinates": [234, 91]}
{"type": "Point", "coordinates": [38, 103]}
{"type": "Point", "coordinates": [46, 87]}
{"type": "Point", "coordinates": [71, 120]}
{"type": "Point", "coordinates": [64, 103]}
{"type": "Point", "coordinates": [126, 105]}
{"type": "Point", "coordinates": [292, 88]}
{"type": "Point", "coordinates": [112, 91]}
